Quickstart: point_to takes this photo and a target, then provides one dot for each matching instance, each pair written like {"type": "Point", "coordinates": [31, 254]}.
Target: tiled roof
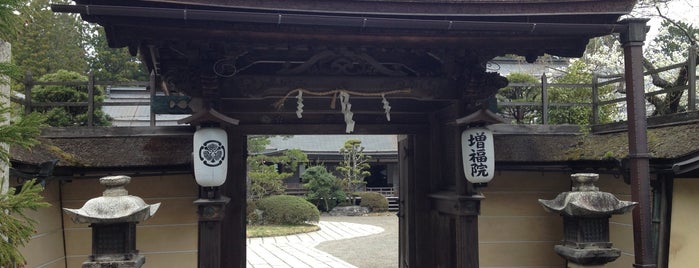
{"type": "Point", "coordinates": [133, 115]}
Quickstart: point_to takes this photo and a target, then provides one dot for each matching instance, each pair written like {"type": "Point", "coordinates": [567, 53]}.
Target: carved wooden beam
{"type": "Point", "coordinates": [267, 86]}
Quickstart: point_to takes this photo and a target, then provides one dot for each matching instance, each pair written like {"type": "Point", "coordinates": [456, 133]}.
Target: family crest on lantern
{"type": "Point", "coordinates": [477, 146]}
{"type": "Point", "coordinates": [210, 146]}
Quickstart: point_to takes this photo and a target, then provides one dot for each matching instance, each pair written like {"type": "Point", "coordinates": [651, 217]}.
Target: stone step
{"type": "Point", "coordinates": [393, 203]}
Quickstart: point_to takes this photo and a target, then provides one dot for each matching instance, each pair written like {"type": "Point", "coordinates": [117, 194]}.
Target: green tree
{"type": "Point", "coordinates": [668, 47]}
{"type": "Point", "coordinates": [354, 167]}
{"type": "Point", "coordinates": [49, 41]}
{"type": "Point", "coordinates": [266, 173]}
{"type": "Point", "coordinates": [16, 228]}
{"type": "Point", "coordinates": [522, 88]}
{"type": "Point", "coordinates": [113, 64]}
{"type": "Point", "coordinates": [323, 187]}
{"type": "Point", "coordinates": [265, 180]}
{"type": "Point", "coordinates": [675, 37]}
{"type": "Point", "coordinates": [577, 73]}
{"type": "Point", "coordinates": [68, 116]}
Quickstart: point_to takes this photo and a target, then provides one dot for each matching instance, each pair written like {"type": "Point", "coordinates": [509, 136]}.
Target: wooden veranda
{"type": "Point", "coordinates": [256, 61]}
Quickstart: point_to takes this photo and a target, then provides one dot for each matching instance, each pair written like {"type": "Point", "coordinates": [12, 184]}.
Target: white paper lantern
{"type": "Point", "coordinates": [210, 156]}
{"type": "Point", "coordinates": [477, 151]}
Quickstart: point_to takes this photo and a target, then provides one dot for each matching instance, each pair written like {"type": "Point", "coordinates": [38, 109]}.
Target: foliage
{"type": "Point", "coordinates": [265, 181]}
{"type": "Point", "coordinates": [22, 131]}
{"type": "Point", "coordinates": [581, 115]}
{"type": "Point", "coordinates": [287, 209]}
{"type": "Point", "coordinates": [257, 143]}
{"type": "Point", "coordinates": [266, 173]}
{"type": "Point", "coordinates": [376, 202]}
{"type": "Point", "coordinates": [16, 228]}
{"type": "Point", "coordinates": [522, 88]}
{"type": "Point", "coordinates": [251, 216]}
{"type": "Point", "coordinates": [672, 44]}
{"type": "Point", "coordinates": [9, 21]}
{"type": "Point", "coordinates": [113, 64]}
{"type": "Point", "coordinates": [323, 187]}
{"type": "Point", "coordinates": [49, 41]}
{"type": "Point", "coordinates": [68, 116]}
{"type": "Point", "coordinates": [604, 55]}
{"type": "Point", "coordinates": [353, 167]}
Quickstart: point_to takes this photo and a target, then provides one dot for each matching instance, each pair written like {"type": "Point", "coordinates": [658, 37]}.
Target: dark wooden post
{"type": "Point", "coordinates": [632, 40]}
{"type": "Point", "coordinates": [151, 84]}
{"type": "Point", "coordinates": [211, 213]}
{"type": "Point", "coordinates": [91, 100]}
{"type": "Point", "coordinates": [28, 85]}
{"type": "Point", "coordinates": [233, 233]}
{"type": "Point", "coordinates": [595, 99]}
{"type": "Point", "coordinates": [219, 222]}
{"type": "Point", "coordinates": [544, 99]}
{"type": "Point", "coordinates": [692, 71]}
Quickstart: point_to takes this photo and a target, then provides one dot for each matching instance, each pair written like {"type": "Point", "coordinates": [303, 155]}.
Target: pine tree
{"type": "Point", "coordinates": [15, 227]}
{"type": "Point", "coordinates": [113, 64]}
{"type": "Point", "coordinates": [48, 41]}
{"type": "Point", "coordinates": [353, 167]}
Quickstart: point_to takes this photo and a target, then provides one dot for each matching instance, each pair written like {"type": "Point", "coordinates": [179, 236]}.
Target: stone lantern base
{"type": "Point", "coordinates": [587, 256]}
{"type": "Point", "coordinates": [136, 262]}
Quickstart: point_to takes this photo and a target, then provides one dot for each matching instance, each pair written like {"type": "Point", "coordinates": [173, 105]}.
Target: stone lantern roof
{"type": "Point", "coordinates": [585, 200]}
{"type": "Point", "coordinates": [114, 206]}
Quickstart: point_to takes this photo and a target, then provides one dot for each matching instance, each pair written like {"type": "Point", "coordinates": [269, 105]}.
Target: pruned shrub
{"type": "Point", "coordinates": [287, 210]}
{"type": "Point", "coordinates": [324, 189]}
{"type": "Point", "coordinates": [376, 202]}
{"type": "Point", "coordinates": [252, 215]}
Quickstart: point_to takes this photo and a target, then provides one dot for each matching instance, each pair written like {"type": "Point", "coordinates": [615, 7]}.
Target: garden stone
{"type": "Point", "coordinates": [349, 211]}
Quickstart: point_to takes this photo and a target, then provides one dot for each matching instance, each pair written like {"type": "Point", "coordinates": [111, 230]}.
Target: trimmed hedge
{"type": "Point", "coordinates": [250, 211]}
{"type": "Point", "coordinates": [287, 210]}
{"type": "Point", "coordinates": [376, 202]}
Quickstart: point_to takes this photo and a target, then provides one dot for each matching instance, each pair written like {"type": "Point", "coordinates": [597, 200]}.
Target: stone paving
{"type": "Point", "coordinates": [298, 251]}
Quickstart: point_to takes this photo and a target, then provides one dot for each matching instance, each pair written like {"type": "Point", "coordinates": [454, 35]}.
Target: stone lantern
{"type": "Point", "coordinates": [113, 218]}
{"type": "Point", "coordinates": [586, 212]}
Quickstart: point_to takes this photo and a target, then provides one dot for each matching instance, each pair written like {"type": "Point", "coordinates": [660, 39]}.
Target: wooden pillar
{"type": "Point", "coordinates": [415, 227]}
{"type": "Point", "coordinates": [595, 99]}
{"type": "Point", "coordinates": [233, 225]}
{"type": "Point", "coordinates": [544, 99]}
{"type": "Point", "coordinates": [632, 40]}
{"type": "Point", "coordinates": [692, 72]}
{"type": "Point", "coordinates": [91, 99]}
{"type": "Point", "coordinates": [457, 205]}
{"type": "Point", "coordinates": [151, 85]}
{"type": "Point", "coordinates": [211, 213]}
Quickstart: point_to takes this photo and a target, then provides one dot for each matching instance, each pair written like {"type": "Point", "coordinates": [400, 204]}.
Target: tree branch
{"type": "Point", "coordinates": [657, 80]}
{"type": "Point", "coordinates": [679, 26]}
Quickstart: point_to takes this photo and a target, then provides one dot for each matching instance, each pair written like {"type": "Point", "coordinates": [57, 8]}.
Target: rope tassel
{"type": "Point", "coordinates": [346, 111]}
{"type": "Point", "coordinates": [386, 107]}
{"type": "Point", "coordinates": [299, 104]}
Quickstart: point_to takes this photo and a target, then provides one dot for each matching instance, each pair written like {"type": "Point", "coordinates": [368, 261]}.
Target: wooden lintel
{"type": "Point", "coordinates": [266, 86]}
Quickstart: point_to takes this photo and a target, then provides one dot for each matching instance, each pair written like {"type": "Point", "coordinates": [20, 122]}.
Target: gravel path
{"type": "Point", "coordinates": [374, 251]}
